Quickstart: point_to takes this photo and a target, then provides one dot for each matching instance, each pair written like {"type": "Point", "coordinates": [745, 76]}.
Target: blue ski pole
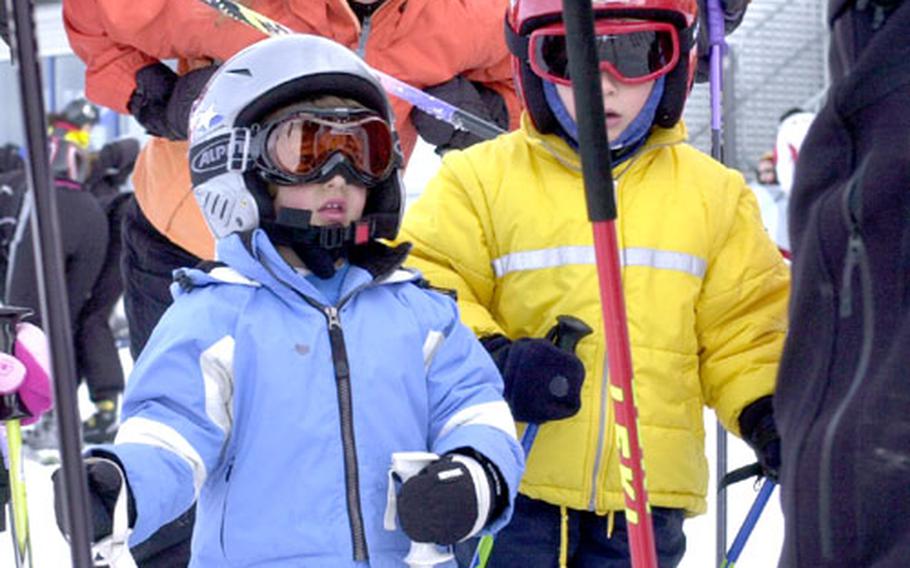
{"type": "Point", "coordinates": [751, 519]}
{"type": "Point", "coordinates": [566, 334]}
{"type": "Point", "coordinates": [437, 108]}
{"type": "Point", "coordinates": [716, 78]}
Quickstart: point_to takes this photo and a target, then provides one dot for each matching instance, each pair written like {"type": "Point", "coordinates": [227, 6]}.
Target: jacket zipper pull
{"type": "Point", "coordinates": [336, 339]}
{"type": "Point", "coordinates": [846, 291]}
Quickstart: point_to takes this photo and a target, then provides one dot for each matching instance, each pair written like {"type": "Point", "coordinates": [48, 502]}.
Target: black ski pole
{"type": "Point", "coordinates": [51, 285]}
{"type": "Point", "coordinates": [593, 141]}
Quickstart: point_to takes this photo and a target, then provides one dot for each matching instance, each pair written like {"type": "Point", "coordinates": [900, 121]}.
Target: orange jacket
{"type": "Point", "coordinates": [421, 42]}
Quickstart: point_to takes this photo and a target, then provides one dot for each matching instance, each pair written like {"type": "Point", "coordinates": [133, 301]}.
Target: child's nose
{"type": "Point", "coordinates": [607, 83]}
{"type": "Point", "coordinates": [336, 182]}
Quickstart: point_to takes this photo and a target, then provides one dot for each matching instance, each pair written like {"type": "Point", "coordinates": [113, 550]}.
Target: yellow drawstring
{"type": "Point", "coordinates": [563, 537]}
{"type": "Point", "coordinates": [611, 517]}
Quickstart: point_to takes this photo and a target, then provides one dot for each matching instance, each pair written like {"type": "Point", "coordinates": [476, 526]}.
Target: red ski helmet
{"type": "Point", "coordinates": [527, 16]}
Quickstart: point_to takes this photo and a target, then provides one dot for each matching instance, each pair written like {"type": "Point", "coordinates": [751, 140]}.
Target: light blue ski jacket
{"type": "Point", "coordinates": [278, 415]}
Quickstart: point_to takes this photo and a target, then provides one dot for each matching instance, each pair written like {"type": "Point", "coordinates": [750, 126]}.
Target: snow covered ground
{"type": "Point", "coordinates": [50, 550]}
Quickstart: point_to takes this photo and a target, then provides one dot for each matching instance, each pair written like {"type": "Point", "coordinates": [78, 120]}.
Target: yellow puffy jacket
{"type": "Point", "coordinates": [504, 223]}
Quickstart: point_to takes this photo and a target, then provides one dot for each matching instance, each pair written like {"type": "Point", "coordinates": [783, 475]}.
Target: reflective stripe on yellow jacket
{"type": "Point", "coordinates": [504, 223]}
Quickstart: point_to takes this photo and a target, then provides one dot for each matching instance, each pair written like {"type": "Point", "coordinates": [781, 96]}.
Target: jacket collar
{"type": "Point", "coordinates": [556, 148]}
{"type": "Point", "coordinates": [255, 261]}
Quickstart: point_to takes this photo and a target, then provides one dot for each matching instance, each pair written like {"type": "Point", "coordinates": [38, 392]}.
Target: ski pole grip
{"type": "Point", "coordinates": [567, 332]}
{"type": "Point", "coordinates": [715, 23]}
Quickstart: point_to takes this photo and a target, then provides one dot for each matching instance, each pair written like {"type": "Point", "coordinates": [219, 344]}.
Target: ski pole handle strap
{"type": "Point", "coordinates": [114, 550]}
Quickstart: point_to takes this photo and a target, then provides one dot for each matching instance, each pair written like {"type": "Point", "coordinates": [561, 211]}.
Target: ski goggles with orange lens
{"type": "Point", "coordinates": [308, 146]}
{"type": "Point", "coordinates": [633, 52]}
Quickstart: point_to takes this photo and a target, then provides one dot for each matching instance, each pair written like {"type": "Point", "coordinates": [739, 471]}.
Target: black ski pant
{"type": "Point", "coordinates": [84, 237]}
{"type": "Point", "coordinates": [148, 261]}
{"type": "Point", "coordinates": [533, 538]}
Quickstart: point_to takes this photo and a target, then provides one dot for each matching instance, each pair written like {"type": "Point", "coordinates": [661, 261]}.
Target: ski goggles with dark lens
{"type": "Point", "coordinates": [633, 52]}
{"type": "Point", "coordinates": [307, 145]}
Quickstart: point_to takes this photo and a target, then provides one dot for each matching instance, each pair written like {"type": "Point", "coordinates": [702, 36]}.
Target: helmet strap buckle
{"type": "Point", "coordinates": [239, 149]}
{"type": "Point", "coordinates": [333, 236]}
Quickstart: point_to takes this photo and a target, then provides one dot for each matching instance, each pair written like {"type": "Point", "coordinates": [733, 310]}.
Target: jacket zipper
{"type": "Point", "coordinates": [856, 258]}
{"type": "Point", "coordinates": [604, 402]}
{"type": "Point", "coordinates": [345, 406]}
{"type": "Point", "coordinates": [365, 29]}
{"type": "Point", "coordinates": [227, 491]}
{"type": "Point", "coordinates": [346, 415]}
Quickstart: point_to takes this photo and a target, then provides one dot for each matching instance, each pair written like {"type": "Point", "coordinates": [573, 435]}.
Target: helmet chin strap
{"type": "Point", "coordinates": [319, 247]}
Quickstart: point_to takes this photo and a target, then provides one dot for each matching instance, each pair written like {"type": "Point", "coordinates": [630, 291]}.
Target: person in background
{"type": "Point", "coordinates": [84, 237]}
{"type": "Point", "coordinates": [772, 201]}
{"type": "Point", "coordinates": [98, 354]}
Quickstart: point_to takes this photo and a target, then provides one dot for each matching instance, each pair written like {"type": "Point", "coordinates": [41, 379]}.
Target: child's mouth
{"type": "Point", "coordinates": [333, 210]}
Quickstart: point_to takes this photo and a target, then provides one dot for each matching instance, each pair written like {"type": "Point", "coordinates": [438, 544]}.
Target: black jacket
{"type": "Point", "coordinates": [843, 398]}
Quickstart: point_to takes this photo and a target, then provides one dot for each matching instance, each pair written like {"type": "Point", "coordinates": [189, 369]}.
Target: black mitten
{"type": "Point", "coordinates": [474, 98]}
{"type": "Point", "coordinates": [104, 482]}
{"type": "Point", "coordinates": [5, 494]}
{"type": "Point", "coordinates": [148, 103]}
{"type": "Point", "coordinates": [162, 101]}
{"type": "Point", "coordinates": [756, 422]}
{"type": "Point", "coordinates": [451, 499]}
{"type": "Point", "coordinates": [542, 382]}
{"type": "Point", "coordinates": [186, 91]}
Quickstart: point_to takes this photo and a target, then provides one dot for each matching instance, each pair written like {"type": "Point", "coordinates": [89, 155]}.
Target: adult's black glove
{"type": "Point", "coordinates": [474, 98]}
{"type": "Point", "coordinates": [756, 422]}
{"type": "Point", "coordinates": [10, 159]}
{"type": "Point", "coordinates": [5, 494]}
{"type": "Point", "coordinates": [451, 499]}
{"type": "Point", "coordinates": [734, 12]}
{"type": "Point", "coordinates": [104, 478]}
{"type": "Point", "coordinates": [4, 25]}
{"type": "Point", "coordinates": [542, 382]}
{"type": "Point", "coordinates": [162, 100]}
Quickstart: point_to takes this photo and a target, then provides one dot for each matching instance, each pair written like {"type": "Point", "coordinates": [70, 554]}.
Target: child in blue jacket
{"type": "Point", "coordinates": [276, 388]}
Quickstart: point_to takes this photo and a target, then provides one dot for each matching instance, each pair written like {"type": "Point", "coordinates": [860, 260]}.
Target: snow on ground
{"type": "Point", "coordinates": [50, 550]}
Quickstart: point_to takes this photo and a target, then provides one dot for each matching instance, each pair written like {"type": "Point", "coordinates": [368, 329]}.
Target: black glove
{"type": "Point", "coordinates": [104, 482]}
{"type": "Point", "coordinates": [4, 25]}
{"type": "Point", "coordinates": [542, 382]}
{"type": "Point", "coordinates": [756, 422]}
{"type": "Point", "coordinates": [451, 499]}
{"type": "Point", "coordinates": [474, 98]}
{"type": "Point", "coordinates": [162, 101]}
{"type": "Point", "coordinates": [10, 159]}
{"type": "Point", "coordinates": [734, 12]}
{"type": "Point", "coordinates": [5, 494]}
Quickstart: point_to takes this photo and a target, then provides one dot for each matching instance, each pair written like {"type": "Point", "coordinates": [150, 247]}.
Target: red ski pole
{"type": "Point", "coordinates": [601, 202]}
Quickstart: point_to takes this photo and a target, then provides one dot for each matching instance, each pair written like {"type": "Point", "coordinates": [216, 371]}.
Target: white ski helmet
{"type": "Point", "coordinates": [790, 135]}
{"type": "Point", "coordinates": [229, 177]}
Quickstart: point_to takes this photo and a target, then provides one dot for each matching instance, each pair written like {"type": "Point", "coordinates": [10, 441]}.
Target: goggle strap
{"type": "Point", "coordinates": [224, 153]}
{"type": "Point", "coordinates": [240, 137]}
{"type": "Point", "coordinates": [518, 44]}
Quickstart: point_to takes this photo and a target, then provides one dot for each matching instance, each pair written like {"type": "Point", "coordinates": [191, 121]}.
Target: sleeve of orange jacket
{"type": "Point", "coordinates": [742, 313]}
{"type": "Point", "coordinates": [116, 38]}
{"type": "Point", "coordinates": [448, 226]}
{"type": "Point", "coordinates": [493, 65]}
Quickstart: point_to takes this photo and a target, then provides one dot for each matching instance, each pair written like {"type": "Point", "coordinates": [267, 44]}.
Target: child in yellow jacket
{"type": "Point", "coordinates": [504, 224]}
